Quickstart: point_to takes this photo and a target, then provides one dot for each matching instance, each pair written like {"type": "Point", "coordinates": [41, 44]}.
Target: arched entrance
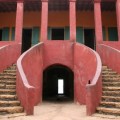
{"type": "Point", "coordinates": [58, 83]}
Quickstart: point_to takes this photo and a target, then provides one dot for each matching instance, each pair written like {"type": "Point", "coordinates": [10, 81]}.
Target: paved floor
{"type": "Point", "coordinates": [60, 111]}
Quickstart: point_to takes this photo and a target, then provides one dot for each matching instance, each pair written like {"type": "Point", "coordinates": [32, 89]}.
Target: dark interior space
{"type": "Point", "coordinates": [57, 34]}
{"type": "Point", "coordinates": [26, 39]}
{"type": "Point", "coordinates": [89, 37]}
{"type": "Point", "coordinates": [1, 35]}
{"type": "Point", "coordinates": [50, 83]}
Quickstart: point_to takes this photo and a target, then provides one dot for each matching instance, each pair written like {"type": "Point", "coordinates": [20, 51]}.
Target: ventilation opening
{"type": "Point", "coordinates": [58, 84]}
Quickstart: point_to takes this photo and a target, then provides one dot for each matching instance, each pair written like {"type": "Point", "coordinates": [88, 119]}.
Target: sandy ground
{"type": "Point", "coordinates": [60, 111]}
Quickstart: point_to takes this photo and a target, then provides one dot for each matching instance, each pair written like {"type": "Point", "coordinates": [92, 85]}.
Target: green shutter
{"type": "Point", "coordinates": [79, 35]}
{"type": "Point", "coordinates": [67, 33]}
{"type": "Point", "coordinates": [104, 33]}
{"type": "Point", "coordinates": [112, 34]}
{"type": "Point", "coordinates": [35, 35]}
{"type": "Point", "coordinates": [13, 34]}
{"type": "Point", "coordinates": [5, 34]}
{"type": "Point", "coordinates": [49, 33]}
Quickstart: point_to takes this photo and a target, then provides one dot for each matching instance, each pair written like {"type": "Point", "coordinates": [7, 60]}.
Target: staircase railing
{"type": "Point", "coordinates": [29, 69]}
{"type": "Point", "coordinates": [9, 54]}
{"type": "Point", "coordinates": [94, 89]}
{"type": "Point", "coordinates": [110, 56]}
{"type": "Point", "coordinates": [87, 77]}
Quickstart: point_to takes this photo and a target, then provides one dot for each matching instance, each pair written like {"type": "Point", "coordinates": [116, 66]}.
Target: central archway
{"type": "Point", "coordinates": [58, 83]}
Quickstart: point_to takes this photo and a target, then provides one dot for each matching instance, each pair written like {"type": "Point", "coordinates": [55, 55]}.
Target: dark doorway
{"type": "Point", "coordinates": [58, 34]}
{"type": "Point", "coordinates": [0, 34]}
{"type": "Point", "coordinates": [52, 76]}
{"type": "Point", "coordinates": [89, 38]}
{"type": "Point", "coordinates": [26, 39]}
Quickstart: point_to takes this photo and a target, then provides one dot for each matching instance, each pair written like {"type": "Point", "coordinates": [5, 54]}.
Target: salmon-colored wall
{"type": "Point", "coordinates": [58, 19]}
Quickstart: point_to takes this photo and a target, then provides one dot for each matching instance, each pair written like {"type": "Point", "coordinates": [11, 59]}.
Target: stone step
{"type": "Point", "coordinates": [110, 76]}
{"type": "Point", "coordinates": [111, 80]}
{"type": "Point", "coordinates": [11, 110]}
{"type": "Point", "coordinates": [2, 85]}
{"type": "Point", "coordinates": [117, 84]}
{"type": "Point", "coordinates": [104, 67]}
{"type": "Point", "coordinates": [111, 99]}
{"type": "Point", "coordinates": [9, 82]}
{"type": "Point", "coordinates": [109, 73]}
{"type": "Point", "coordinates": [5, 86]}
{"type": "Point", "coordinates": [9, 103]}
{"type": "Point", "coordinates": [7, 74]}
{"type": "Point", "coordinates": [111, 93]}
{"type": "Point", "coordinates": [7, 77]}
{"type": "Point", "coordinates": [111, 88]}
{"type": "Point", "coordinates": [9, 71]}
{"type": "Point", "coordinates": [110, 104]}
{"type": "Point", "coordinates": [10, 86]}
{"type": "Point", "coordinates": [111, 111]}
{"type": "Point", "coordinates": [8, 97]}
{"type": "Point", "coordinates": [106, 72]}
{"type": "Point", "coordinates": [7, 91]}
{"type": "Point", "coordinates": [11, 68]}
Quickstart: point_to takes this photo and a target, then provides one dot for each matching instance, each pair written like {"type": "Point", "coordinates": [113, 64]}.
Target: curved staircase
{"type": "Point", "coordinates": [110, 103]}
{"type": "Point", "coordinates": [8, 98]}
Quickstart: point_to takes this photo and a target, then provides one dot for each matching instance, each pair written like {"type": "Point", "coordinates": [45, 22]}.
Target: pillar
{"type": "Point", "coordinates": [98, 20]}
{"type": "Point", "coordinates": [118, 17]}
{"type": "Point", "coordinates": [72, 15]}
{"type": "Point", "coordinates": [19, 21]}
{"type": "Point", "coordinates": [44, 20]}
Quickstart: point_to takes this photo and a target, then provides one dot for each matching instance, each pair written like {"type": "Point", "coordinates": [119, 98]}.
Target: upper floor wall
{"type": "Point", "coordinates": [57, 19]}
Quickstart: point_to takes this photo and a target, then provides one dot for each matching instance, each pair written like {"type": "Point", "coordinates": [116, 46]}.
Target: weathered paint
{"type": "Point", "coordinates": [44, 20]}
{"type": "Point", "coordinates": [29, 78]}
{"type": "Point", "coordinates": [118, 17]}
{"type": "Point", "coordinates": [84, 19]}
{"type": "Point", "coordinates": [72, 18]}
{"type": "Point", "coordinates": [19, 22]}
{"type": "Point", "coordinates": [85, 67]}
{"type": "Point", "coordinates": [98, 20]}
{"type": "Point", "coordinates": [58, 52]}
{"type": "Point", "coordinates": [30, 71]}
{"type": "Point", "coordinates": [110, 56]}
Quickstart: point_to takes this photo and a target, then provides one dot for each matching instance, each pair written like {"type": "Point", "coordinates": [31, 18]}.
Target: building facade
{"type": "Point", "coordinates": [59, 25]}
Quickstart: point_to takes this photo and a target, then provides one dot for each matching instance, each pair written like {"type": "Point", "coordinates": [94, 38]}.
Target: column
{"type": "Point", "coordinates": [72, 17]}
{"type": "Point", "coordinates": [44, 20]}
{"type": "Point", "coordinates": [98, 20]}
{"type": "Point", "coordinates": [19, 21]}
{"type": "Point", "coordinates": [118, 17]}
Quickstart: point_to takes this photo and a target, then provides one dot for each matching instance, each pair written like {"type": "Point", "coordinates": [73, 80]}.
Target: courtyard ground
{"type": "Point", "coordinates": [59, 111]}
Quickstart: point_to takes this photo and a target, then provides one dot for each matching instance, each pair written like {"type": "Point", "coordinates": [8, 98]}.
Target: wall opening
{"type": "Point", "coordinates": [0, 34]}
{"type": "Point", "coordinates": [57, 33]}
{"type": "Point", "coordinates": [26, 39]}
{"type": "Point", "coordinates": [58, 83]}
{"type": "Point", "coordinates": [89, 38]}
{"type": "Point", "coordinates": [60, 86]}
